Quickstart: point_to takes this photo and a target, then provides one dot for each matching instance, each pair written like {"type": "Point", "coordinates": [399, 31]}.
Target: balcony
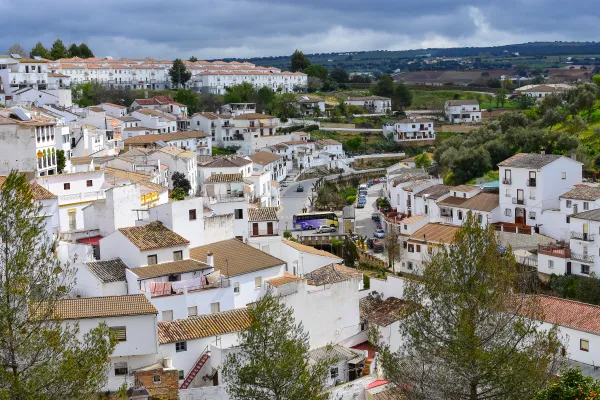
{"type": "Point", "coordinates": [559, 249]}
{"type": "Point", "coordinates": [226, 198]}
{"type": "Point", "coordinates": [221, 283]}
{"type": "Point", "coordinates": [507, 181]}
{"type": "Point", "coordinates": [264, 232]}
{"type": "Point", "coordinates": [587, 237]}
{"type": "Point", "coordinates": [584, 258]}
{"type": "Point", "coordinates": [518, 201]}
{"type": "Point", "coordinates": [531, 182]}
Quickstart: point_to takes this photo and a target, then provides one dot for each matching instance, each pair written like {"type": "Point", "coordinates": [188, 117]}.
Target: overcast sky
{"type": "Point", "coordinates": [255, 28]}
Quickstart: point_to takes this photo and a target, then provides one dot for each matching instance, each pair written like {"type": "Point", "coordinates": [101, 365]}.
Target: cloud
{"type": "Point", "coordinates": [249, 28]}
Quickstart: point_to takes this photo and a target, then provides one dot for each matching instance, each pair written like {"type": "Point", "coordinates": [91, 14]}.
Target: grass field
{"type": "Point", "coordinates": [435, 99]}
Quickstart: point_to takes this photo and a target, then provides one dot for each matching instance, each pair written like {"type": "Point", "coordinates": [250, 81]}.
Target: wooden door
{"type": "Point", "coordinates": [269, 228]}
{"type": "Point", "coordinates": [569, 268]}
{"type": "Point", "coordinates": [519, 215]}
{"type": "Point", "coordinates": [255, 229]}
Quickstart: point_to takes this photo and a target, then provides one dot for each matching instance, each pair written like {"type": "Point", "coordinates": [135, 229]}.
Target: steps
{"type": "Point", "coordinates": [194, 371]}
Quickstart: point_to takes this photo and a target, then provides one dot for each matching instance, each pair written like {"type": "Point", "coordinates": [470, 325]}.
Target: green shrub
{"type": "Point", "coordinates": [350, 199]}
{"type": "Point", "coordinates": [287, 235]}
{"type": "Point", "coordinates": [366, 282]}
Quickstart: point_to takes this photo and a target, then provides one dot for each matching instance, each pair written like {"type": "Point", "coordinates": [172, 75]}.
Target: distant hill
{"type": "Point", "coordinates": [383, 61]}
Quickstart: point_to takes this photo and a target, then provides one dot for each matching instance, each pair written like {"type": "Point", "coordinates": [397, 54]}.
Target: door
{"type": "Point", "coordinates": [72, 220]}
{"type": "Point", "coordinates": [532, 178]}
{"type": "Point", "coordinates": [520, 196]}
{"type": "Point", "coordinates": [585, 234]}
{"type": "Point", "coordinates": [519, 215]}
{"type": "Point", "coordinates": [269, 228]}
{"type": "Point", "coordinates": [569, 268]}
{"type": "Point", "coordinates": [255, 229]}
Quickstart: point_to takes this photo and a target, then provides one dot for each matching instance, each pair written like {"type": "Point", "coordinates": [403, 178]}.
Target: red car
{"type": "Point", "coordinates": [377, 181]}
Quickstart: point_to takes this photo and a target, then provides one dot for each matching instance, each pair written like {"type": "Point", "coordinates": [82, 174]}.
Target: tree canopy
{"type": "Point", "coordinates": [571, 385]}
{"type": "Point", "coordinates": [317, 71]}
{"type": "Point", "coordinates": [40, 51]}
{"type": "Point", "coordinates": [17, 49]}
{"type": "Point", "coordinates": [180, 181]}
{"type": "Point", "coordinates": [187, 97]}
{"type": "Point", "coordinates": [179, 74]}
{"type": "Point", "coordinates": [58, 50]}
{"type": "Point", "coordinates": [299, 62]}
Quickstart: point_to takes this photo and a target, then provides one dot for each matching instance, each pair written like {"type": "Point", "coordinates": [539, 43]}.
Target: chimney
{"type": "Point", "coordinates": [573, 156]}
{"type": "Point", "coordinates": [210, 259]}
{"type": "Point", "coordinates": [168, 363]}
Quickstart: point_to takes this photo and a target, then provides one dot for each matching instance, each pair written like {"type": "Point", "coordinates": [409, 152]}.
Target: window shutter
{"type": "Point", "coordinates": [120, 332]}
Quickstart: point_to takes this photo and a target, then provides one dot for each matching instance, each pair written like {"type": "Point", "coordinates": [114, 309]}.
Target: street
{"type": "Point", "coordinates": [292, 203]}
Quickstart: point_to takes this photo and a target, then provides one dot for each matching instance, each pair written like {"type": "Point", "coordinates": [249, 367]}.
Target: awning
{"type": "Point", "coordinates": [262, 121]}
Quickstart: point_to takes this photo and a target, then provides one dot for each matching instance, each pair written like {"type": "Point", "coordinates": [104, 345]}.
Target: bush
{"type": "Point", "coordinates": [350, 199]}
{"type": "Point", "coordinates": [366, 282]}
{"type": "Point", "coordinates": [287, 235]}
{"type": "Point", "coordinates": [576, 287]}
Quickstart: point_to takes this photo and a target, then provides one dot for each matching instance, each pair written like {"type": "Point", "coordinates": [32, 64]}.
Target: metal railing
{"type": "Point", "coordinates": [585, 258]}
{"type": "Point", "coordinates": [588, 237]}
{"type": "Point", "coordinates": [264, 232]}
{"type": "Point", "coordinates": [555, 250]}
{"type": "Point", "coordinates": [507, 181]}
{"type": "Point", "coordinates": [531, 182]}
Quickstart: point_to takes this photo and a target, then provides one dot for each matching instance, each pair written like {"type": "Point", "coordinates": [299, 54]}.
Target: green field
{"type": "Point", "coordinates": [435, 99]}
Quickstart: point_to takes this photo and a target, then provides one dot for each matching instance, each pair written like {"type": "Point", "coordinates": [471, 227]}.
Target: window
{"type": "Point", "coordinates": [156, 378]}
{"type": "Point", "coordinates": [418, 248]}
{"type": "Point", "coordinates": [334, 373]}
{"type": "Point", "coordinates": [563, 175]}
{"type": "Point", "coordinates": [426, 209]}
{"type": "Point", "coordinates": [550, 264]}
{"type": "Point", "coordinates": [67, 186]}
{"type": "Point", "coordinates": [258, 281]}
{"type": "Point", "coordinates": [405, 227]}
{"type": "Point", "coordinates": [180, 374]}
{"type": "Point", "coordinates": [239, 213]}
{"type": "Point", "coordinates": [192, 311]}
{"type": "Point", "coordinates": [152, 259]}
{"type": "Point", "coordinates": [180, 346]}
{"type": "Point", "coordinates": [585, 269]}
{"type": "Point", "coordinates": [532, 195]}
{"type": "Point", "coordinates": [120, 368]}
{"type": "Point", "coordinates": [508, 194]}
{"type": "Point", "coordinates": [215, 307]}
{"type": "Point", "coordinates": [508, 212]}
{"type": "Point", "coordinates": [236, 287]}
{"type": "Point", "coordinates": [586, 205]}
{"type": "Point", "coordinates": [178, 255]}
{"type": "Point", "coordinates": [409, 265]}
{"type": "Point", "coordinates": [531, 214]}
{"type": "Point", "coordinates": [89, 183]}
{"type": "Point", "coordinates": [167, 315]}
{"type": "Point", "coordinates": [479, 218]}
{"type": "Point", "coordinates": [584, 345]}
{"type": "Point", "coordinates": [460, 215]}
{"type": "Point", "coordinates": [363, 326]}
{"type": "Point", "coordinates": [192, 214]}
{"type": "Point", "coordinates": [411, 248]}
{"type": "Point", "coordinates": [120, 332]}
{"type": "Point", "coordinates": [569, 204]}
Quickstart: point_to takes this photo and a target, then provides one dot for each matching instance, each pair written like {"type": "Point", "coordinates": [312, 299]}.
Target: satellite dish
{"type": "Point", "coordinates": [15, 56]}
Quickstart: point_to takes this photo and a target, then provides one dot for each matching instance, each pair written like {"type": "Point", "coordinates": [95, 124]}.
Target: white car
{"type": "Point", "coordinates": [326, 229]}
{"type": "Point", "coordinates": [379, 233]}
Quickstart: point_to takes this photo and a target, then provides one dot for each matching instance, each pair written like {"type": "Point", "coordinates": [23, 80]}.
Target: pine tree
{"type": "Point", "coordinates": [40, 51]}
{"type": "Point", "coordinates": [85, 51]}
{"type": "Point", "coordinates": [58, 50]}
{"type": "Point", "coordinates": [74, 50]}
{"type": "Point", "coordinates": [179, 74]}
{"type": "Point", "coordinates": [473, 333]}
{"type": "Point", "coordinates": [299, 61]}
{"type": "Point", "coordinates": [273, 361]}
{"type": "Point", "coordinates": [41, 358]}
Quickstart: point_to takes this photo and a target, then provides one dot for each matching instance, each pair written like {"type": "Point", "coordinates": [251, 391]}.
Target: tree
{"type": "Point", "coordinates": [384, 86]}
{"type": "Point", "coordinates": [538, 80]}
{"type": "Point", "coordinates": [317, 71]}
{"type": "Point", "coordinates": [401, 96]}
{"type": "Point", "coordinates": [85, 51]}
{"type": "Point", "coordinates": [423, 161]}
{"type": "Point", "coordinates": [61, 161]}
{"type": "Point", "coordinates": [178, 194]}
{"type": "Point", "coordinates": [40, 51]}
{"type": "Point", "coordinates": [17, 49]}
{"type": "Point", "coordinates": [273, 362]}
{"type": "Point", "coordinates": [264, 99]}
{"type": "Point", "coordinates": [571, 385]}
{"type": "Point", "coordinates": [58, 50]}
{"type": "Point", "coordinates": [596, 80]}
{"type": "Point", "coordinates": [470, 331]}
{"type": "Point", "coordinates": [393, 245]}
{"type": "Point", "coordinates": [314, 84]}
{"type": "Point", "coordinates": [193, 59]}
{"type": "Point", "coordinates": [352, 144]}
{"type": "Point", "coordinates": [180, 181]}
{"type": "Point", "coordinates": [471, 163]}
{"type": "Point", "coordinates": [299, 62]}
{"type": "Point", "coordinates": [74, 50]}
{"type": "Point", "coordinates": [41, 357]}
{"type": "Point", "coordinates": [179, 74]}
{"type": "Point", "coordinates": [286, 106]}
{"type": "Point", "coordinates": [583, 98]}
{"type": "Point", "coordinates": [340, 75]}
{"type": "Point", "coordinates": [241, 93]}
{"type": "Point", "coordinates": [501, 97]}
{"type": "Point", "coordinates": [187, 97]}
{"type": "Point", "coordinates": [209, 102]}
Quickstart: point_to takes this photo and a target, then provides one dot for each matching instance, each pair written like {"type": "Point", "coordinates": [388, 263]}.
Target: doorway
{"type": "Point", "coordinates": [520, 216]}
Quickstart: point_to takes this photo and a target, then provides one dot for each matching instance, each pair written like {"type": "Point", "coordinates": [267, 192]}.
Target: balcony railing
{"type": "Point", "coordinates": [588, 237]}
{"type": "Point", "coordinates": [221, 283]}
{"type": "Point", "coordinates": [506, 181]}
{"type": "Point", "coordinates": [84, 196]}
{"type": "Point", "coordinates": [555, 250]}
{"type": "Point", "coordinates": [518, 201]}
{"type": "Point", "coordinates": [584, 258]}
{"type": "Point", "coordinates": [531, 182]}
{"type": "Point", "coordinates": [226, 198]}
{"type": "Point", "coordinates": [264, 232]}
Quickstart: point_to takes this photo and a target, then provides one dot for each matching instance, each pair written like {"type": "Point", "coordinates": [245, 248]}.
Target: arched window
{"type": "Point", "coordinates": [45, 159]}
{"type": "Point", "coordinates": [53, 157]}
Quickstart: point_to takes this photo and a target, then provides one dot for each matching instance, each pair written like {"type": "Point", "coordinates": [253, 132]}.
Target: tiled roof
{"type": "Point", "coordinates": [544, 88]}
{"type": "Point", "coordinates": [434, 192]}
{"type": "Point", "coordinates": [100, 307]}
{"type": "Point", "coordinates": [138, 128]}
{"type": "Point", "coordinates": [583, 192]}
{"type": "Point", "coordinates": [412, 219]}
{"type": "Point", "coordinates": [282, 280]}
{"type": "Point", "coordinates": [464, 188]}
{"type": "Point", "coordinates": [414, 185]}
{"type": "Point", "coordinates": [128, 118]}
{"type": "Point", "coordinates": [153, 236]}
{"type": "Point", "coordinates": [173, 267]}
{"type": "Point", "coordinates": [338, 352]}
{"type": "Point", "coordinates": [436, 233]}
{"type": "Point", "coordinates": [229, 161]}
{"type": "Point", "coordinates": [308, 249]}
{"type": "Point", "coordinates": [383, 312]}
{"type": "Point", "coordinates": [413, 121]}
{"type": "Point", "coordinates": [571, 314]}
{"type": "Point", "coordinates": [155, 113]}
{"type": "Point", "coordinates": [482, 202]}
{"type": "Point", "coordinates": [108, 270]}
{"type": "Point", "coordinates": [452, 201]}
{"type": "Point", "coordinates": [262, 214]}
{"type": "Point", "coordinates": [593, 215]}
{"type": "Point", "coordinates": [113, 105]}
{"type": "Point", "coordinates": [332, 273]}
{"type": "Point", "coordinates": [95, 109]}
{"type": "Point", "coordinates": [165, 137]}
{"type": "Point", "coordinates": [264, 157]}
{"type": "Point", "coordinates": [37, 191]}
{"type": "Point", "coordinates": [233, 258]}
{"type": "Point", "coordinates": [81, 160]}
{"type": "Point", "coordinates": [224, 178]}
{"type": "Point", "coordinates": [463, 103]}
{"type": "Point", "coordinates": [253, 116]}
{"type": "Point", "coordinates": [146, 102]}
{"type": "Point", "coordinates": [528, 160]}
{"type": "Point", "coordinates": [408, 175]}
{"type": "Point", "coordinates": [177, 152]}
{"type": "Point", "coordinates": [203, 326]}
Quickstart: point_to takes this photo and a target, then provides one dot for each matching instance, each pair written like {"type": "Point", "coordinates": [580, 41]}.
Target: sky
{"type": "Point", "coordinates": [258, 28]}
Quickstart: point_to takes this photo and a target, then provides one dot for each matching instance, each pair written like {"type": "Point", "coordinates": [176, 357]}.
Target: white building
{"type": "Point", "coordinates": [311, 106]}
{"type": "Point", "coordinates": [263, 162]}
{"type": "Point", "coordinates": [411, 129]}
{"type": "Point", "coordinates": [195, 141]}
{"type": "Point", "coordinates": [373, 104]}
{"type": "Point", "coordinates": [540, 91]}
{"type": "Point", "coordinates": [462, 111]}
{"type": "Point", "coordinates": [263, 230]}
{"type": "Point", "coordinates": [100, 278]}
{"type": "Point", "coordinates": [302, 259]}
{"type": "Point", "coordinates": [421, 244]}
{"type": "Point", "coordinates": [155, 119]}
{"type": "Point", "coordinates": [208, 166]}
{"type": "Point", "coordinates": [179, 160]}
{"type": "Point", "coordinates": [114, 110]}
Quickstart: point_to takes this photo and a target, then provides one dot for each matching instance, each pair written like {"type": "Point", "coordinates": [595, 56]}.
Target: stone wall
{"type": "Point", "coordinates": [167, 388]}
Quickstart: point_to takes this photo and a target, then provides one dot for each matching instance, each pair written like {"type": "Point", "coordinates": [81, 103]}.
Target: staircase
{"type": "Point", "coordinates": [197, 367]}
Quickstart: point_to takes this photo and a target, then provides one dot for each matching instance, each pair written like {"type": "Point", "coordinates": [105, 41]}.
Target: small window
{"type": "Point", "coordinates": [258, 281]}
{"type": "Point", "coordinates": [156, 378]}
{"type": "Point", "coordinates": [585, 269]}
{"type": "Point", "coordinates": [239, 213]}
{"type": "Point", "coordinates": [569, 204]}
{"type": "Point", "coordinates": [334, 373]}
{"type": "Point", "coordinates": [508, 194]}
{"type": "Point", "coordinates": [192, 311]}
{"type": "Point", "coordinates": [418, 248]}
{"type": "Point", "coordinates": [563, 175]}
{"type": "Point", "coordinates": [236, 287]}
{"type": "Point", "coordinates": [479, 218]}
{"type": "Point", "coordinates": [409, 265]}
{"type": "Point", "coordinates": [460, 215]}
{"type": "Point", "coordinates": [215, 307]}
{"type": "Point", "coordinates": [67, 186]}
{"type": "Point", "coordinates": [508, 212]}
{"type": "Point", "coordinates": [167, 315]}
{"type": "Point", "coordinates": [192, 214]}
{"type": "Point", "coordinates": [411, 248]}
{"type": "Point", "coordinates": [532, 195]}
{"type": "Point", "coordinates": [531, 214]}
{"type": "Point", "coordinates": [180, 346]}
{"type": "Point", "coordinates": [363, 326]}
{"type": "Point", "coordinates": [180, 374]}
{"type": "Point", "coordinates": [550, 264]}
{"type": "Point", "coordinates": [178, 255]}
{"type": "Point", "coordinates": [584, 345]}
{"type": "Point", "coordinates": [120, 332]}
{"type": "Point", "coordinates": [120, 368]}
{"type": "Point", "coordinates": [89, 183]}
{"type": "Point", "coordinates": [405, 227]}
{"type": "Point", "coordinates": [586, 205]}
{"type": "Point", "coordinates": [153, 259]}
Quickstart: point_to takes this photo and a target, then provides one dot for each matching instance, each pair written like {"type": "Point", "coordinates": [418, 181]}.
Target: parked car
{"type": "Point", "coordinates": [326, 229]}
{"type": "Point", "coordinates": [378, 246]}
{"type": "Point", "coordinates": [284, 184]}
{"type": "Point", "coordinates": [375, 216]}
{"type": "Point", "coordinates": [360, 205]}
{"type": "Point", "coordinates": [377, 181]}
{"type": "Point", "coordinates": [371, 182]}
{"type": "Point", "coordinates": [379, 233]}
{"type": "Point", "coordinates": [370, 242]}
{"type": "Point", "coordinates": [300, 188]}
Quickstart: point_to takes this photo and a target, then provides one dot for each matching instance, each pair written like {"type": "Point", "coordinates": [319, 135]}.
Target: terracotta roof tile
{"type": "Point", "coordinates": [100, 307]}
{"type": "Point", "coordinates": [308, 249]}
{"type": "Point", "coordinates": [167, 268]}
{"type": "Point", "coordinates": [452, 201]}
{"type": "Point", "coordinates": [436, 233]}
{"type": "Point", "coordinates": [264, 157]}
{"type": "Point", "coordinates": [464, 188]}
{"type": "Point", "coordinates": [232, 257]}
{"type": "Point", "coordinates": [528, 160]}
{"type": "Point", "coordinates": [177, 152]}
{"type": "Point", "coordinates": [583, 192]}
{"type": "Point", "coordinates": [253, 116]}
{"type": "Point", "coordinates": [153, 236]}
{"type": "Point", "coordinates": [108, 270]}
{"type": "Point", "coordinates": [262, 214]}
{"type": "Point", "coordinates": [165, 137]}
{"type": "Point", "coordinates": [571, 314]}
{"type": "Point", "coordinates": [282, 280]}
{"type": "Point", "coordinates": [203, 326]}
{"type": "Point", "coordinates": [482, 202]}
{"type": "Point", "coordinates": [37, 191]}
{"type": "Point", "coordinates": [434, 192]}
{"type": "Point", "coordinates": [224, 178]}
{"type": "Point", "coordinates": [332, 273]}
{"type": "Point", "coordinates": [383, 312]}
